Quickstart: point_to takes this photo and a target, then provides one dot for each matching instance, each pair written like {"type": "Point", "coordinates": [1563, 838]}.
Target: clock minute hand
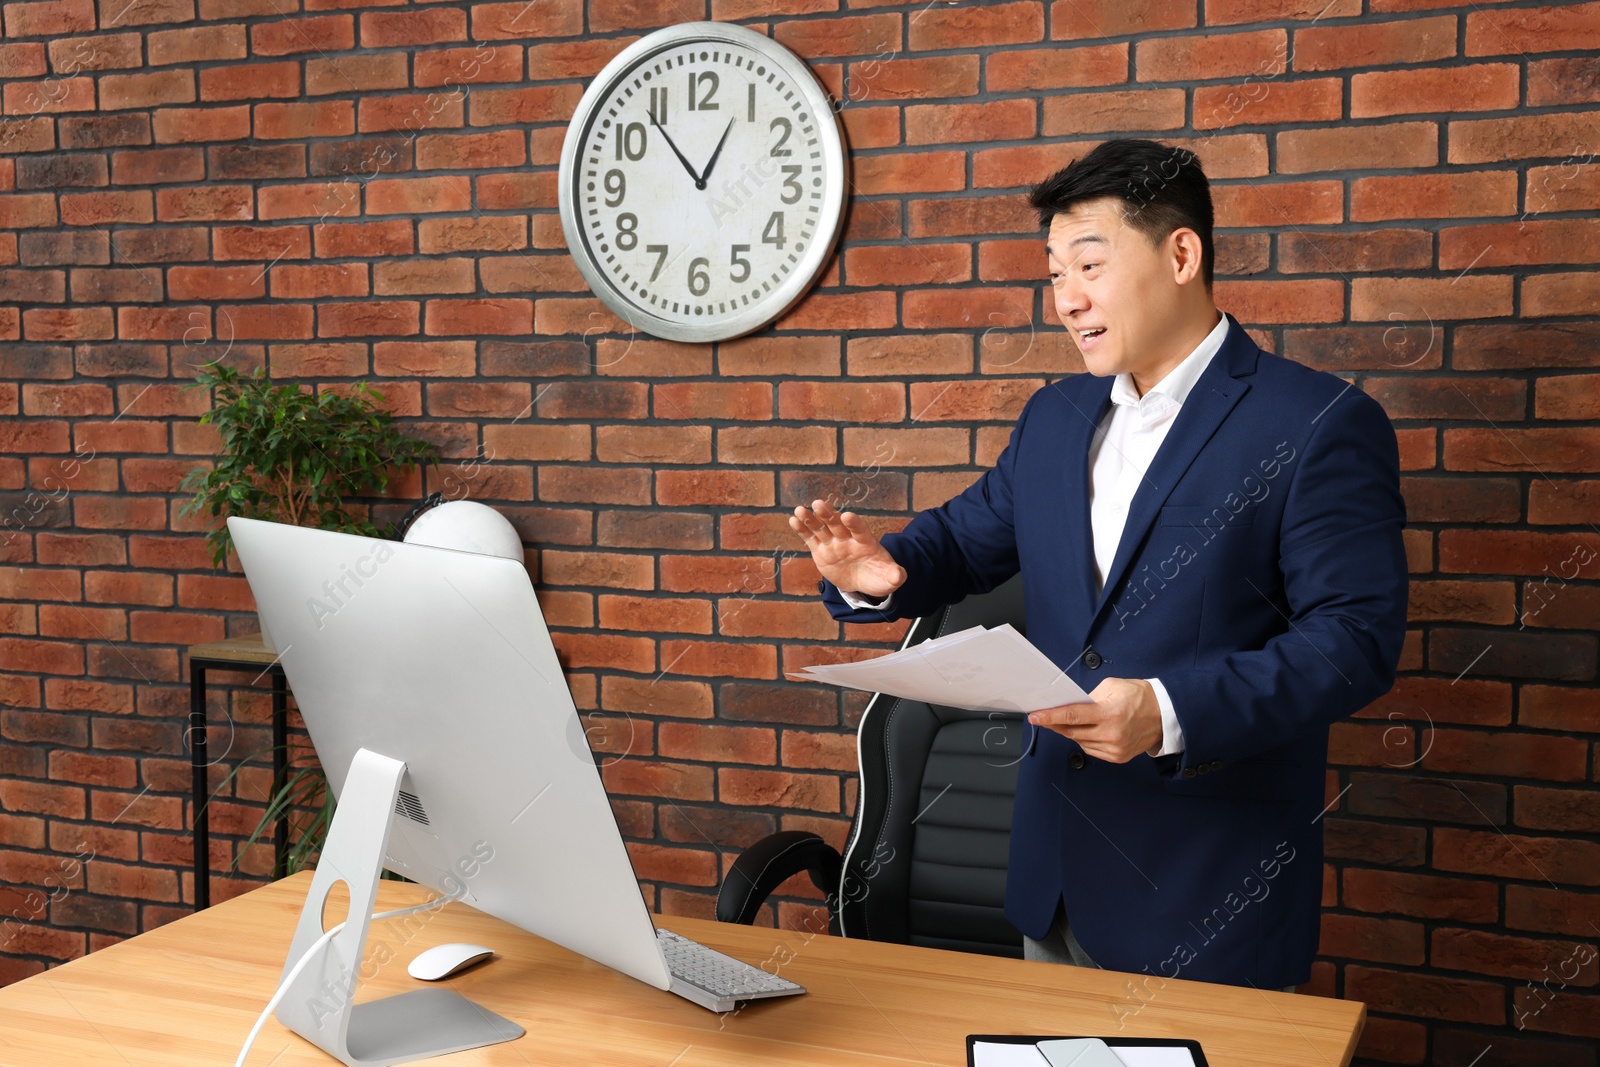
{"type": "Point", "coordinates": [700, 182]}
{"type": "Point", "coordinates": [695, 177]}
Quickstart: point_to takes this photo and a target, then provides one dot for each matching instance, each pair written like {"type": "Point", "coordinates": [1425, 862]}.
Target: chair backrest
{"type": "Point", "coordinates": [926, 859]}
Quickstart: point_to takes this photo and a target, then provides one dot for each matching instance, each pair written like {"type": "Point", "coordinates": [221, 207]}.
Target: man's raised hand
{"type": "Point", "coordinates": [845, 552]}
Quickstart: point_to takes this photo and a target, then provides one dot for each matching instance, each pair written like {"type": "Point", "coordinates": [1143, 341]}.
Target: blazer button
{"type": "Point", "coordinates": [1188, 772]}
{"type": "Point", "coordinates": [1092, 660]}
{"type": "Point", "coordinates": [1076, 761]}
{"type": "Point", "coordinates": [822, 586]}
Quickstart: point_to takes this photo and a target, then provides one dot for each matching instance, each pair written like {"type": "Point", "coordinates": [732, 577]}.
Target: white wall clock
{"type": "Point", "coordinates": [703, 182]}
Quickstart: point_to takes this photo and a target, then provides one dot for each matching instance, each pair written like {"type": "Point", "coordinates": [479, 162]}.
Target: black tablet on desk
{"type": "Point", "coordinates": [1012, 1050]}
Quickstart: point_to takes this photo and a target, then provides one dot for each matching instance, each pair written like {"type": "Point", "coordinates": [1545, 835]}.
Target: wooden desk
{"type": "Point", "coordinates": [233, 654]}
{"type": "Point", "coordinates": [189, 992]}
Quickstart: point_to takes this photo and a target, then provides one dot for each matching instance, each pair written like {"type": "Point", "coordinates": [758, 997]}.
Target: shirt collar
{"type": "Point", "coordinates": [1175, 387]}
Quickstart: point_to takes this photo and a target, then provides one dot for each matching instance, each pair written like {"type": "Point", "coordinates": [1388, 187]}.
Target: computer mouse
{"type": "Point", "coordinates": [442, 961]}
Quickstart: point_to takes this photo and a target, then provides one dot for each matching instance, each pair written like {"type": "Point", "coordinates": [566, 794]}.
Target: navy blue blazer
{"type": "Point", "coordinates": [1261, 576]}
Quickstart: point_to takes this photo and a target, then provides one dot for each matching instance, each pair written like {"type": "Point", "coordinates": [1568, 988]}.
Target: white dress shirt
{"type": "Point", "coordinates": [1121, 451]}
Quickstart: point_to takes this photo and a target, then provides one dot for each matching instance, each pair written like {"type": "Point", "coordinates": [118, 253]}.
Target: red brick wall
{"type": "Point", "coordinates": [1405, 192]}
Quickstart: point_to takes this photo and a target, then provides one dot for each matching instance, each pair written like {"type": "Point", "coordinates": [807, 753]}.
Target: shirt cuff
{"type": "Point", "coordinates": [1171, 731]}
{"type": "Point", "coordinates": [866, 602]}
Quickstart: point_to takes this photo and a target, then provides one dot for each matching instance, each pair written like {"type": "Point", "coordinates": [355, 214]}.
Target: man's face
{"type": "Point", "coordinates": [1106, 276]}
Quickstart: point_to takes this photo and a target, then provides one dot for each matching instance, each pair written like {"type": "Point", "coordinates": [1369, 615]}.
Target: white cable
{"type": "Point", "coordinates": [294, 972]}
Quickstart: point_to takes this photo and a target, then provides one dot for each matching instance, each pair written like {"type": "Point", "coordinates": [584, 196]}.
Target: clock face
{"type": "Point", "coordinates": [702, 182]}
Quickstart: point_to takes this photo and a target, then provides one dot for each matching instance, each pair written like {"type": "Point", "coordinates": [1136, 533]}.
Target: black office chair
{"type": "Point", "coordinates": [925, 862]}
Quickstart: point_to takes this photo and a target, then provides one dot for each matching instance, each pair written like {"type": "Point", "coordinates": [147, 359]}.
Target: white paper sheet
{"type": "Point", "coordinates": [995, 1054]}
{"type": "Point", "coordinates": [977, 669]}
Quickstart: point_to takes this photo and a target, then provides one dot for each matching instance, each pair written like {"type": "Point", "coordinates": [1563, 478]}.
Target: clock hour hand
{"type": "Point", "coordinates": [701, 181]}
{"type": "Point", "coordinates": [699, 184]}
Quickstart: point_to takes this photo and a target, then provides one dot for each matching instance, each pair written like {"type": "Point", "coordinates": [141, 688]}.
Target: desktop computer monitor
{"type": "Point", "coordinates": [439, 711]}
{"type": "Point", "coordinates": [441, 659]}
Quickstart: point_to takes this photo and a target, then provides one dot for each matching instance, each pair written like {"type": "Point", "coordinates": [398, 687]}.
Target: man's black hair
{"type": "Point", "coordinates": [1162, 189]}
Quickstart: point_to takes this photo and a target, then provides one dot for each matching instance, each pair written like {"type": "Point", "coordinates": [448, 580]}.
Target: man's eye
{"type": "Point", "coordinates": [1090, 266]}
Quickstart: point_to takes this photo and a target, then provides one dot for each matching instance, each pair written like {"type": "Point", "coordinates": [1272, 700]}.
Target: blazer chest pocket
{"type": "Point", "coordinates": [1211, 519]}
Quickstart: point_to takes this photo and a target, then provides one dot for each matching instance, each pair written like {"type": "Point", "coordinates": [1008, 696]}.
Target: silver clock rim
{"type": "Point", "coordinates": [835, 171]}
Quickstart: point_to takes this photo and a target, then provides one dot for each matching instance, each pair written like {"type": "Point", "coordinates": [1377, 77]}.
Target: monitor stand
{"type": "Point", "coordinates": [319, 1005]}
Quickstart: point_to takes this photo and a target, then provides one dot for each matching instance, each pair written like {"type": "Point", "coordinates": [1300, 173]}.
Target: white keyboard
{"type": "Point", "coordinates": [716, 981]}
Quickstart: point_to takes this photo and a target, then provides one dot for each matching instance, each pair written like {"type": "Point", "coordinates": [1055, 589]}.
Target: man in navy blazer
{"type": "Point", "coordinates": [1209, 538]}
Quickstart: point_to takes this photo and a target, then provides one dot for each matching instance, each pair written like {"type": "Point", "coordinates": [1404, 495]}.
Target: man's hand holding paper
{"type": "Point", "coordinates": [1122, 721]}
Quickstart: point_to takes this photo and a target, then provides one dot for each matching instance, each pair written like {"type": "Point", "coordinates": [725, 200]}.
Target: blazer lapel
{"type": "Point", "coordinates": [1214, 395]}
{"type": "Point", "coordinates": [1091, 404]}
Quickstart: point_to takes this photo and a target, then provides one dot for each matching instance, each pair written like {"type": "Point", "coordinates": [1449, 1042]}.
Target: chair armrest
{"type": "Point", "coordinates": [765, 865]}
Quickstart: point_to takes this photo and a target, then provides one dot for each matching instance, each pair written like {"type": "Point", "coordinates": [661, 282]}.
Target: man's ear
{"type": "Point", "coordinates": [1186, 253]}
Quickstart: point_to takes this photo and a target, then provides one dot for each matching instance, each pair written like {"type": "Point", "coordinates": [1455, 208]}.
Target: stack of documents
{"type": "Point", "coordinates": [978, 669]}
{"type": "Point", "coordinates": [989, 1051]}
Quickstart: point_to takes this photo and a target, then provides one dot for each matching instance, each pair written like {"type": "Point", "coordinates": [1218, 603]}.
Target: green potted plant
{"type": "Point", "coordinates": [289, 455]}
{"type": "Point", "coordinates": [296, 456]}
